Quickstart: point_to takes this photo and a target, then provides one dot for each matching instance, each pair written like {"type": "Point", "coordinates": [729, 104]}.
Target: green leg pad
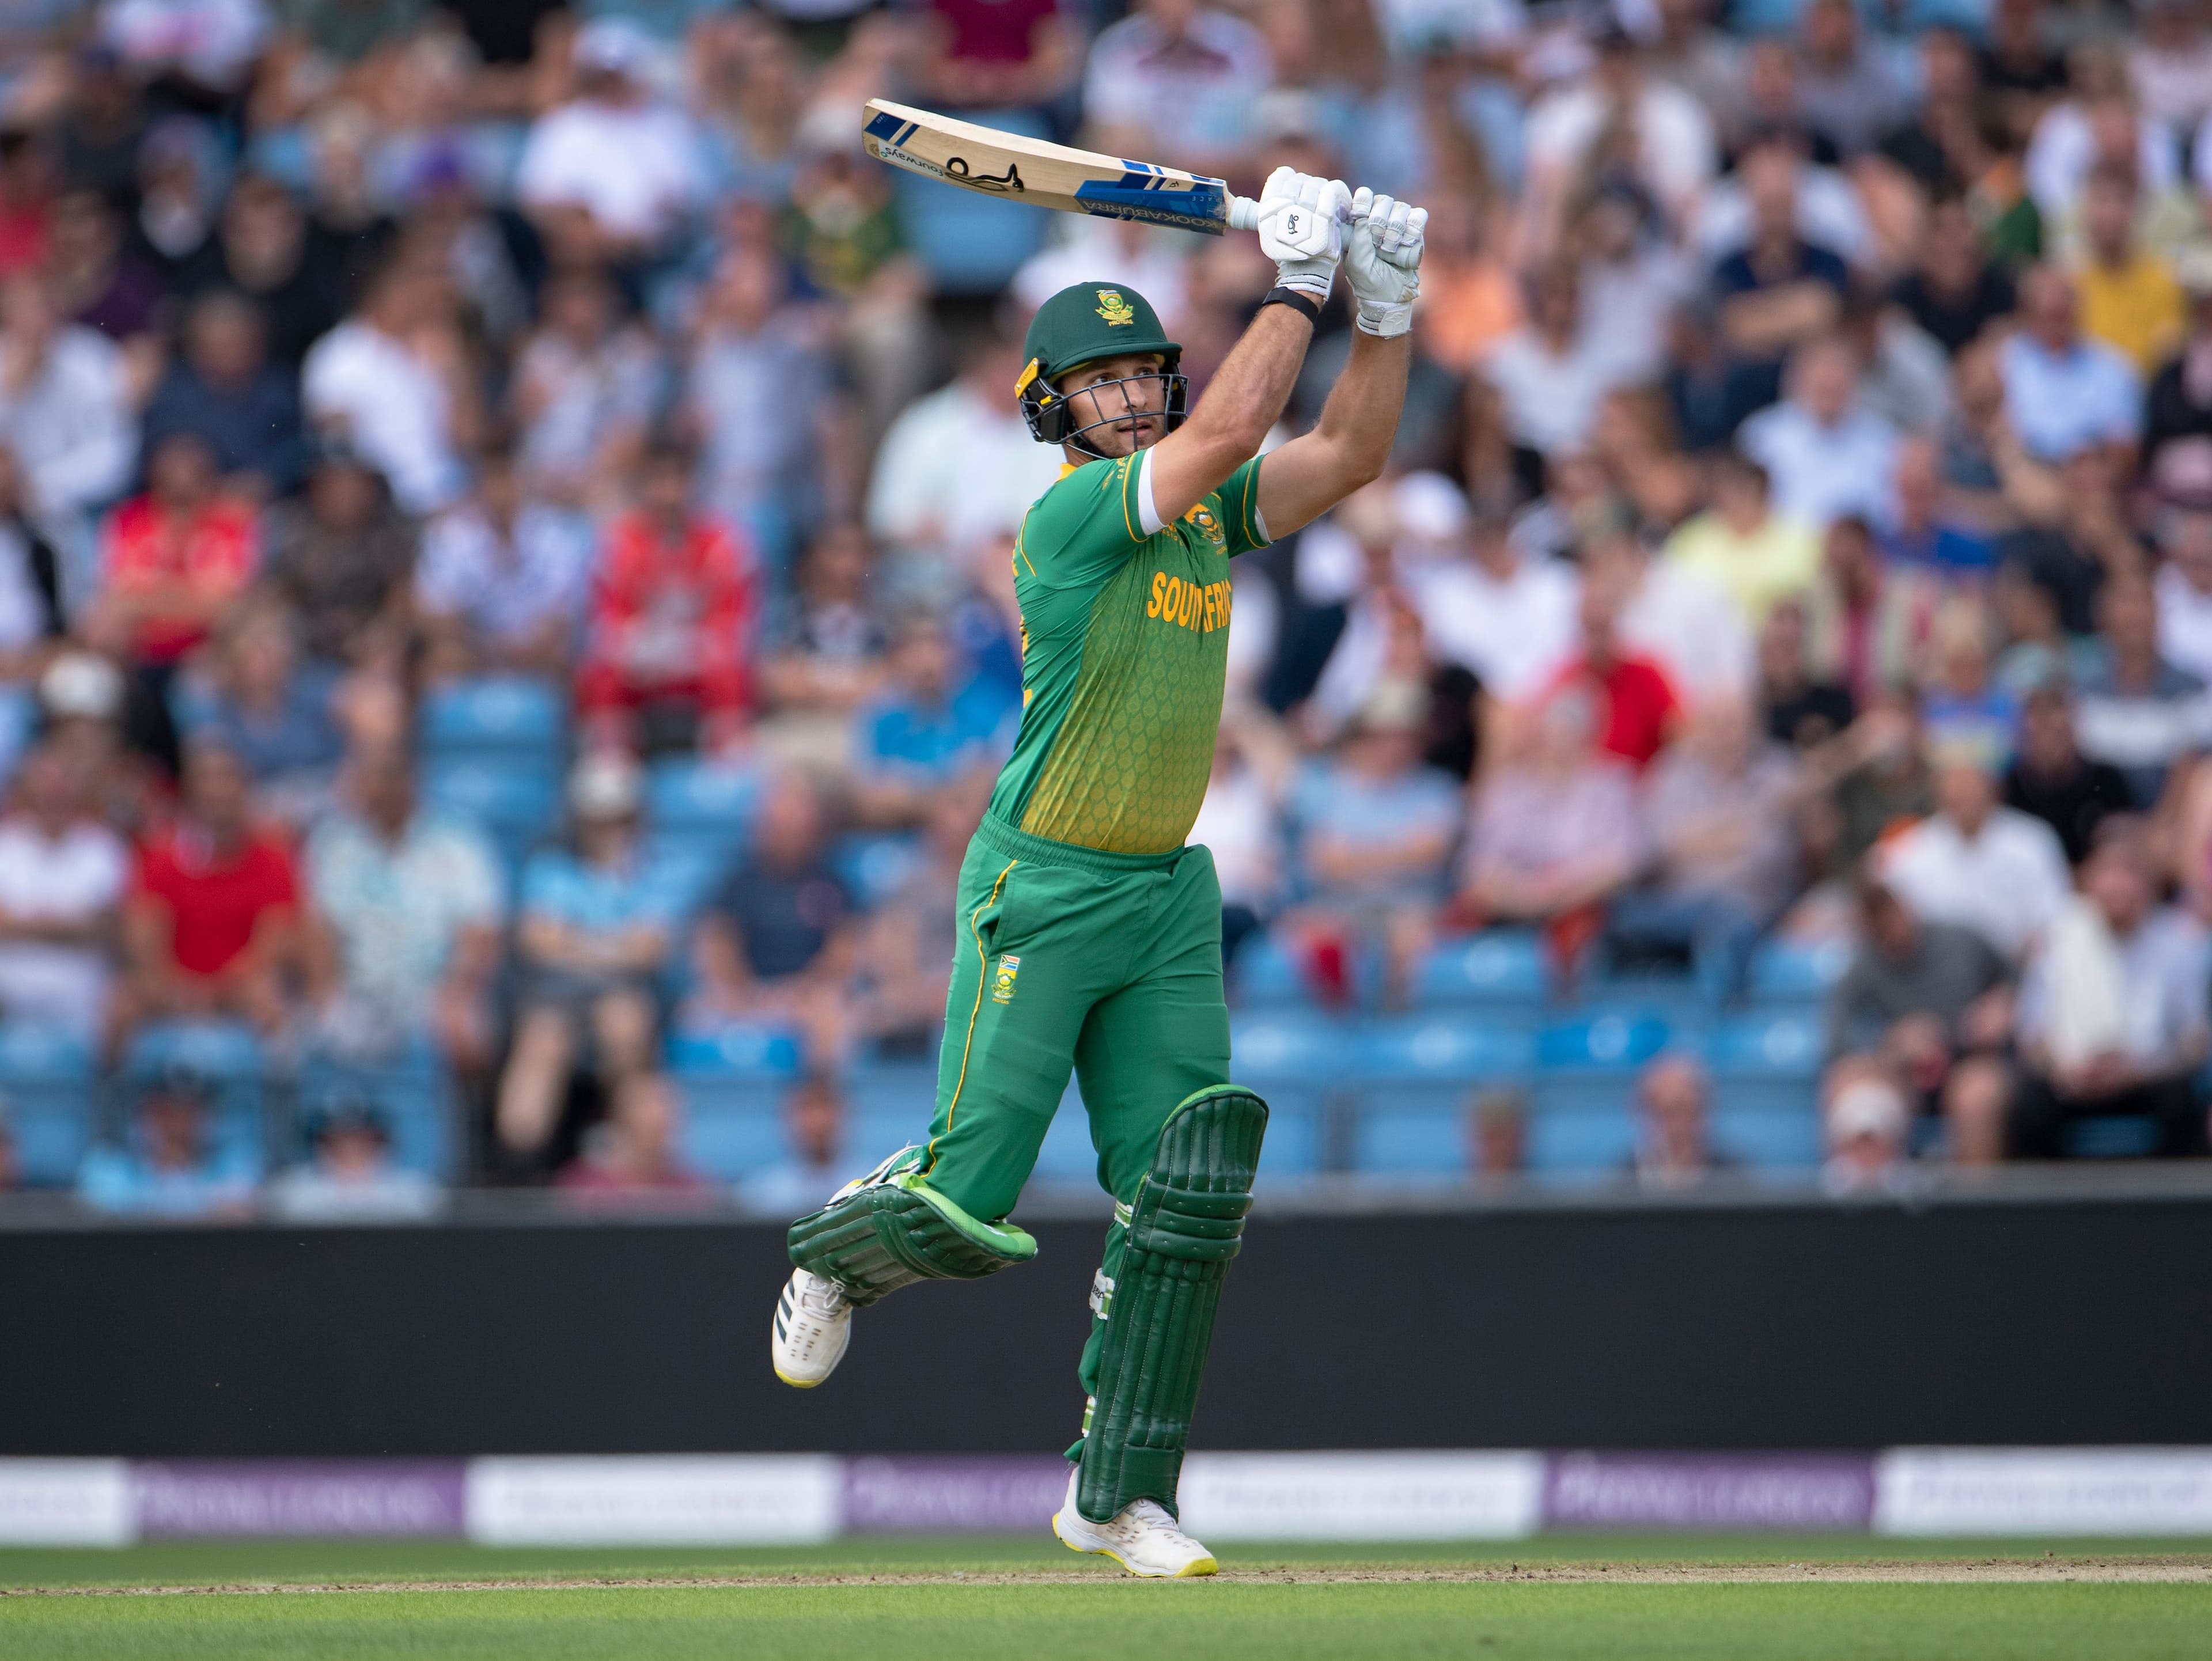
{"type": "Point", "coordinates": [890, 1229]}
{"type": "Point", "coordinates": [1186, 1225]}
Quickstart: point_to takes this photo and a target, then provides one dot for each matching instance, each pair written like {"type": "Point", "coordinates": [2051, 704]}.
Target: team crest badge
{"type": "Point", "coordinates": [1115, 309]}
{"type": "Point", "coordinates": [1208, 526]}
{"type": "Point", "coordinates": [1002, 985]}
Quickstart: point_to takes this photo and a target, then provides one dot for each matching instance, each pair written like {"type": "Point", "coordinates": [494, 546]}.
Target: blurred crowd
{"type": "Point", "coordinates": [1800, 529]}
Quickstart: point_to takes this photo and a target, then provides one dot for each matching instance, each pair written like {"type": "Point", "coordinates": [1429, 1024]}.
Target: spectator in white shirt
{"type": "Point", "coordinates": [385, 381]}
{"type": "Point", "coordinates": [2064, 392]}
{"type": "Point", "coordinates": [610, 177]}
{"type": "Point", "coordinates": [1510, 617]}
{"type": "Point", "coordinates": [586, 387]}
{"type": "Point", "coordinates": [1991, 868]}
{"type": "Point", "coordinates": [1676, 615]}
{"type": "Point", "coordinates": [1826, 456]}
{"type": "Point", "coordinates": [501, 582]}
{"type": "Point", "coordinates": [65, 411]}
{"type": "Point", "coordinates": [1553, 372]}
{"type": "Point", "coordinates": [1673, 145]}
{"type": "Point", "coordinates": [62, 874]}
{"type": "Point", "coordinates": [1176, 78]}
{"type": "Point", "coordinates": [956, 468]}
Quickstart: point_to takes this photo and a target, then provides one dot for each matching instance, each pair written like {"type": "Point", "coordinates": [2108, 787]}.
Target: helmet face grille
{"type": "Point", "coordinates": [1052, 421]}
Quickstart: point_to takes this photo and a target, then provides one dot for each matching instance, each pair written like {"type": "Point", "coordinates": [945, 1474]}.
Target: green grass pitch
{"type": "Point", "coordinates": [1562, 1596]}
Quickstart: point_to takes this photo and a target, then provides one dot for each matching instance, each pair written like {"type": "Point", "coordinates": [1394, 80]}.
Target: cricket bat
{"type": "Point", "coordinates": [1050, 175]}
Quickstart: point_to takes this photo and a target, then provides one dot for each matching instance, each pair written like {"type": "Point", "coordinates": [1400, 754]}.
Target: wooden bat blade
{"type": "Point", "coordinates": [1041, 174]}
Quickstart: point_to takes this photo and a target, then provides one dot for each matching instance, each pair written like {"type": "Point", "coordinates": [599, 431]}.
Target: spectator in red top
{"type": "Point", "coordinates": [997, 54]}
{"type": "Point", "coordinates": [173, 559]}
{"type": "Point", "coordinates": [671, 621]}
{"type": "Point", "coordinates": [1638, 708]}
{"type": "Point", "coordinates": [211, 925]}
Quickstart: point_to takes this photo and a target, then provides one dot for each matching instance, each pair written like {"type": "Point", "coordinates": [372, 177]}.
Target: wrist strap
{"type": "Point", "coordinates": [1302, 303]}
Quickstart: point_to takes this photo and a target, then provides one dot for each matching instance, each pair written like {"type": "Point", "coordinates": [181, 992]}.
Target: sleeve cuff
{"type": "Point", "coordinates": [1148, 512]}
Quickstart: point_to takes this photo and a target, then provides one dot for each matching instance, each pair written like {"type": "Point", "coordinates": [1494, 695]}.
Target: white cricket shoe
{"type": "Point", "coordinates": [1142, 1538]}
{"type": "Point", "coordinates": [813, 1324]}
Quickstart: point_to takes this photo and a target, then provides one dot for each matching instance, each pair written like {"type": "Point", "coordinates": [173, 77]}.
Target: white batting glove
{"type": "Point", "coordinates": [1382, 260]}
{"type": "Point", "coordinates": [1302, 230]}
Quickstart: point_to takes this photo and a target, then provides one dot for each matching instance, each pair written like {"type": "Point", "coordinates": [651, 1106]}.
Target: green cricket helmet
{"type": "Point", "coordinates": [1080, 326]}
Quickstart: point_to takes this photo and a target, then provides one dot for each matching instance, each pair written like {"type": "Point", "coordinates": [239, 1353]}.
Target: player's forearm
{"type": "Point", "coordinates": [1359, 421]}
{"type": "Point", "coordinates": [1245, 396]}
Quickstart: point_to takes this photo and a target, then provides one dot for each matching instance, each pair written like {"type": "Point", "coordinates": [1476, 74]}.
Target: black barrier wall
{"type": "Point", "coordinates": [1667, 1327]}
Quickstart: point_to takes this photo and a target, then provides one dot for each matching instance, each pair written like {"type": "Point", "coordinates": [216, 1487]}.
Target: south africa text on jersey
{"type": "Point", "coordinates": [1204, 607]}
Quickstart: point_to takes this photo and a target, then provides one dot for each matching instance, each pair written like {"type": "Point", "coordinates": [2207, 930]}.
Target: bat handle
{"type": "Point", "coordinates": [1243, 213]}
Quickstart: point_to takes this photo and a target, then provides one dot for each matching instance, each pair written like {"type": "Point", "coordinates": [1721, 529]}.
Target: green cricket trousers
{"type": "Point", "coordinates": [1107, 963]}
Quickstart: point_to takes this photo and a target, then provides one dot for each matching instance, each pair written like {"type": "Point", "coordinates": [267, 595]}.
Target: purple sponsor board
{"type": "Point", "coordinates": [1808, 1491]}
{"type": "Point", "coordinates": [320, 1498]}
{"type": "Point", "coordinates": [927, 1495]}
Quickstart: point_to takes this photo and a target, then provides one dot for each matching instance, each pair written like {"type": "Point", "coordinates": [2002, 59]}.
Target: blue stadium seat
{"type": "Point", "coordinates": [1784, 974]}
{"type": "Point", "coordinates": [1763, 1136]}
{"type": "Point", "coordinates": [517, 803]}
{"type": "Point", "coordinates": [46, 1080]}
{"type": "Point", "coordinates": [1295, 1060]}
{"type": "Point", "coordinates": [2118, 1138]}
{"type": "Point", "coordinates": [1268, 976]}
{"type": "Point", "coordinates": [697, 816]}
{"type": "Point", "coordinates": [1586, 1139]}
{"type": "Point", "coordinates": [873, 866]}
{"type": "Point", "coordinates": [889, 1106]}
{"type": "Point", "coordinates": [1765, 1070]}
{"type": "Point", "coordinates": [1585, 1076]}
{"type": "Point", "coordinates": [506, 715]}
{"type": "Point", "coordinates": [1498, 968]}
{"type": "Point", "coordinates": [1417, 1077]}
{"type": "Point", "coordinates": [733, 1079]}
{"type": "Point", "coordinates": [414, 1093]}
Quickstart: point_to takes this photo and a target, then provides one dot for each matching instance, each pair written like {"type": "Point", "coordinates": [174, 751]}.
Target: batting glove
{"type": "Point", "coordinates": [1382, 260]}
{"type": "Point", "coordinates": [1302, 230]}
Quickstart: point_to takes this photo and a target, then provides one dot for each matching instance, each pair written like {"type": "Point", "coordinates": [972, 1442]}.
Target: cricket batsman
{"type": "Point", "coordinates": [1090, 936]}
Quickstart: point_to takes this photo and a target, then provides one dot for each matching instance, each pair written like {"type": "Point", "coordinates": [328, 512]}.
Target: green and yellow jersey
{"type": "Point", "coordinates": [1125, 655]}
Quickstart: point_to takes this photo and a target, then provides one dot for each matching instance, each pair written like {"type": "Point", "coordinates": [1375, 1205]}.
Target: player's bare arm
{"type": "Point", "coordinates": [1350, 445]}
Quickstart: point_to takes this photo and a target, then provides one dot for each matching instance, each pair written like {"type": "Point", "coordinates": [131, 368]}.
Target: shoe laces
{"type": "Point", "coordinates": [1152, 1515]}
{"type": "Point", "coordinates": [821, 1296]}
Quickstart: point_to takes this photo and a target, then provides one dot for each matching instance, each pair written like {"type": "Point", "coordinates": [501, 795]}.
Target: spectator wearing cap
{"type": "Point", "coordinates": [211, 923]}
{"type": "Point", "coordinates": [671, 619]}
{"type": "Point", "coordinates": [1826, 455]}
{"type": "Point", "coordinates": [2112, 1016]}
{"type": "Point", "coordinates": [172, 1164]}
{"type": "Point", "coordinates": [2137, 711]}
{"type": "Point", "coordinates": [611, 176]}
{"type": "Point", "coordinates": [2129, 298]}
{"type": "Point", "coordinates": [596, 926]}
{"type": "Point", "coordinates": [1674, 1113]}
{"type": "Point", "coordinates": [631, 1153]}
{"type": "Point", "coordinates": [64, 412]}
{"type": "Point", "coordinates": [88, 707]}
{"type": "Point", "coordinates": [1929, 1005]}
{"type": "Point", "coordinates": [348, 1175]}
{"type": "Point", "coordinates": [932, 723]}
{"type": "Point", "coordinates": [776, 941]}
{"type": "Point", "coordinates": [392, 384]}
{"type": "Point", "coordinates": [226, 390]}
{"type": "Point", "coordinates": [1864, 1127]}
{"type": "Point", "coordinates": [812, 1168]}
{"type": "Point", "coordinates": [62, 876]}
{"type": "Point", "coordinates": [503, 579]}
{"type": "Point", "coordinates": [1180, 77]}
{"type": "Point", "coordinates": [174, 560]}
{"type": "Point", "coordinates": [1374, 831]}
{"type": "Point", "coordinates": [408, 910]}
{"type": "Point", "coordinates": [1977, 863]}
{"type": "Point", "coordinates": [1719, 809]}
{"type": "Point", "coordinates": [1743, 543]}
{"type": "Point", "coordinates": [2064, 391]}
{"type": "Point", "coordinates": [2050, 778]}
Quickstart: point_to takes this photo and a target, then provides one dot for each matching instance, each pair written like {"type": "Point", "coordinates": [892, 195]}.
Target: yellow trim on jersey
{"type": "Point", "coordinates": [983, 975]}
